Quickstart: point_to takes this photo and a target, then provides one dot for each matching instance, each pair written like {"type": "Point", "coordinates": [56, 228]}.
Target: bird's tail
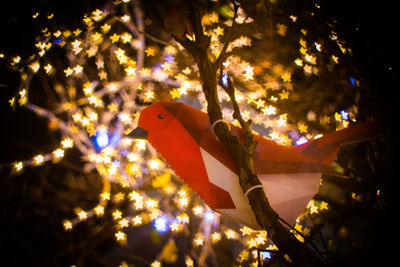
{"type": "Point", "coordinates": [325, 149]}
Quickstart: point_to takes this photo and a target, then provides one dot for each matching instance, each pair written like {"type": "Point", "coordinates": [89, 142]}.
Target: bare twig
{"type": "Point", "coordinates": [224, 55]}
{"type": "Point", "coordinates": [250, 144]}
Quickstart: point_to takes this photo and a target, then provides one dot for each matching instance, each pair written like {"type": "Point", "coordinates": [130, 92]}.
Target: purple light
{"type": "Point", "coordinates": [169, 59]}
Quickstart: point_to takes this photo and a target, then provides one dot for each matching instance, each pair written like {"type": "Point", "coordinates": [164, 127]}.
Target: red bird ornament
{"type": "Point", "coordinates": [183, 136]}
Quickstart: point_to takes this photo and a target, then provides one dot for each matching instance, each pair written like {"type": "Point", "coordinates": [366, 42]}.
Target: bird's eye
{"type": "Point", "coordinates": [160, 116]}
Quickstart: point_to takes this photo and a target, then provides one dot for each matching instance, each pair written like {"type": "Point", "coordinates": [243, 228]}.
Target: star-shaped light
{"type": "Point", "coordinates": [215, 237]}
{"type": "Point", "coordinates": [67, 225]}
{"type": "Point", "coordinates": [38, 159]}
{"type": "Point", "coordinates": [246, 230]}
{"type": "Point", "coordinates": [99, 210]}
{"type": "Point", "coordinates": [130, 71]}
{"type": "Point", "coordinates": [120, 236]}
{"type": "Point", "coordinates": [252, 243]}
{"type": "Point", "coordinates": [150, 51]}
{"type": "Point", "coordinates": [82, 215]}
{"type": "Point", "coordinates": [117, 215]}
{"type": "Point", "coordinates": [58, 153]}
{"type": "Point", "coordinates": [248, 72]}
{"type": "Point", "coordinates": [230, 234]}
{"type": "Point", "coordinates": [137, 220]}
{"type": "Point", "coordinates": [270, 110]}
{"type": "Point", "coordinates": [18, 166]}
{"type": "Point", "coordinates": [114, 38]}
{"type": "Point", "coordinates": [126, 37]}
{"type": "Point", "coordinates": [198, 241]}
{"type": "Point", "coordinates": [68, 71]}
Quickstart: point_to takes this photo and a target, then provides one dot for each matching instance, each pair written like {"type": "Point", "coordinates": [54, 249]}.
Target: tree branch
{"type": "Point", "coordinates": [249, 143]}
{"type": "Point", "coordinates": [223, 55]}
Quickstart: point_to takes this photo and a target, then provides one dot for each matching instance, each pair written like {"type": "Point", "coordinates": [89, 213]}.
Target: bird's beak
{"type": "Point", "coordinates": [138, 133]}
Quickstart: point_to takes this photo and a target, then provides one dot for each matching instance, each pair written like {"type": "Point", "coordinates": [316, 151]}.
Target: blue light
{"type": "Point", "coordinates": [345, 115]}
{"type": "Point", "coordinates": [101, 139]}
{"type": "Point", "coordinates": [224, 79]}
{"type": "Point", "coordinates": [209, 216]}
{"type": "Point", "coordinates": [161, 224]}
{"type": "Point", "coordinates": [301, 140]}
{"type": "Point", "coordinates": [265, 255]}
{"type": "Point", "coordinates": [57, 41]}
{"type": "Point", "coordinates": [353, 81]}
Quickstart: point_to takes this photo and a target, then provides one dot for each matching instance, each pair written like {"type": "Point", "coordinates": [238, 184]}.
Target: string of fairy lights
{"type": "Point", "coordinates": [111, 67]}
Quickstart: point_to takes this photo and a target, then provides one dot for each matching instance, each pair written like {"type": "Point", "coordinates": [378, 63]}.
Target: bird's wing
{"type": "Point", "coordinates": [197, 124]}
